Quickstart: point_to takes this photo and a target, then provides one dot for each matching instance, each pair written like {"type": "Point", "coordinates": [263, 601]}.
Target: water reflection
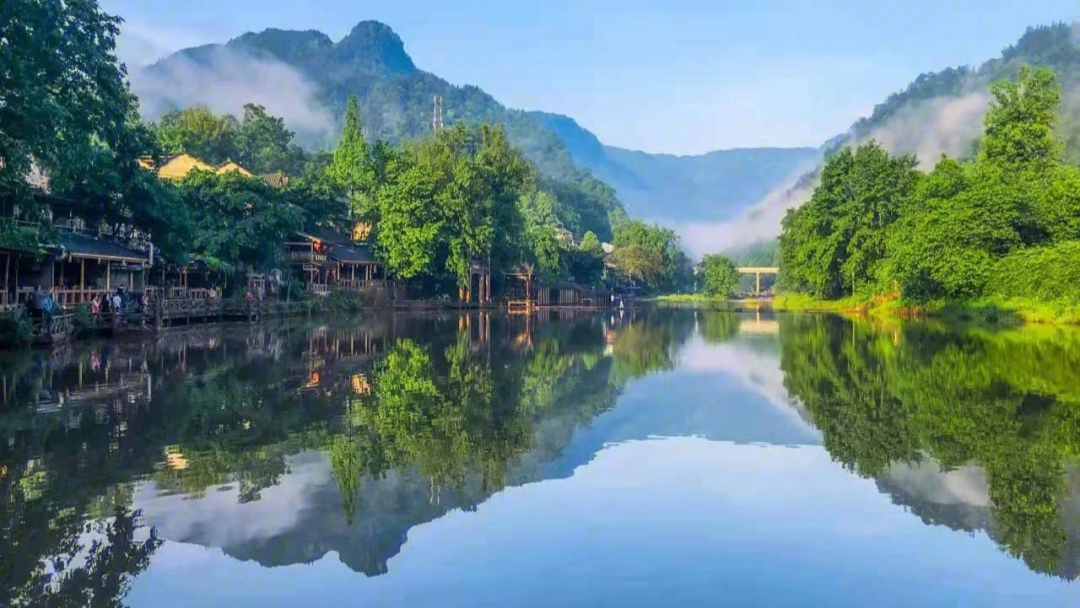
{"type": "Point", "coordinates": [279, 445]}
{"type": "Point", "coordinates": [969, 429]}
{"type": "Point", "coordinates": [360, 429]}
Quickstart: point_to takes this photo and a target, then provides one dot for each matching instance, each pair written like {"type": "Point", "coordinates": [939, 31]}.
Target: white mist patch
{"type": "Point", "coordinates": [227, 80]}
{"type": "Point", "coordinates": [760, 223]}
{"type": "Point", "coordinates": [943, 125]}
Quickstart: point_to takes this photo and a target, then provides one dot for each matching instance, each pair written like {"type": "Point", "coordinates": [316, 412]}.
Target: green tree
{"type": "Point", "coordinates": [835, 244]}
{"type": "Point", "coordinates": [1019, 127]}
{"type": "Point", "coordinates": [451, 199]}
{"type": "Point", "coordinates": [590, 244]}
{"type": "Point", "coordinates": [651, 253]}
{"type": "Point", "coordinates": [199, 132]}
{"type": "Point", "coordinates": [352, 168]}
{"type": "Point", "coordinates": [718, 275]}
{"type": "Point", "coordinates": [242, 222]}
{"type": "Point", "coordinates": [63, 94]}
{"type": "Point", "coordinates": [265, 145]}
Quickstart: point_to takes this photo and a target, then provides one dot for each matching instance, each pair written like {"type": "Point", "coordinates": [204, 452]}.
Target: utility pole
{"type": "Point", "coordinates": [437, 114]}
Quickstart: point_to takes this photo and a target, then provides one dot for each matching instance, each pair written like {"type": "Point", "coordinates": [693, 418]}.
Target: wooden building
{"type": "Point", "coordinates": [329, 261]}
{"type": "Point", "coordinates": [76, 268]}
{"type": "Point", "coordinates": [560, 295]}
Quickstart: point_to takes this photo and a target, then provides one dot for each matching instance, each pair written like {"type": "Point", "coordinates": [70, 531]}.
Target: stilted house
{"type": "Point", "coordinates": [86, 266]}
{"type": "Point", "coordinates": [330, 261]}
{"type": "Point", "coordinates": [75, 268]}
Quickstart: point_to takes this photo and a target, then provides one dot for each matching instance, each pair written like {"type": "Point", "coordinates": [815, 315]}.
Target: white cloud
{"type": "Point", "coordinates": [225, 82]}
{"type": "Point", "coordinates": [943, 125]}
{"type": "Point", "coordinates": [141, 44]}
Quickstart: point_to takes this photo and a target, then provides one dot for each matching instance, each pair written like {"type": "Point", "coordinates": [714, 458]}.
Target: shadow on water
{"type": "Point", "coordinates": [383, 423]}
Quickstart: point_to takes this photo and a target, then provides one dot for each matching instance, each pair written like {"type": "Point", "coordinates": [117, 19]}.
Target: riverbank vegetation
{"type": "Point", "coordinates": [995, 229]}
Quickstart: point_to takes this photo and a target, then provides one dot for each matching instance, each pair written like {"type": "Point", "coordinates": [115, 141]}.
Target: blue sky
{"type": "Point", "coordinates": [678, 76]}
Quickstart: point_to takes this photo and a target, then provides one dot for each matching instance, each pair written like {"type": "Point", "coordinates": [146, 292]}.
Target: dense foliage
{"type": "Point", "coordinates": [63, 96]}
{"type": "Point", "coordinates": [650, 255]}
{"type": "Point", "coordinates": [717, 275]}
{"type": "Point", "coordinates": [465, 195]}
{"type": "Point", "coordinates": [877, 225]}
{"type": "Point", "coordinates": [259, 142]}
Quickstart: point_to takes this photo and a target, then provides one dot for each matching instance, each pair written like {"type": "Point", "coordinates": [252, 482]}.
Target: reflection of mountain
{"type": "Point", "coordinates": [301, 520]}
{"type": "Point", "coordinates": [959, 500]}
{"type": "Point", "coordinates": [956, 499]}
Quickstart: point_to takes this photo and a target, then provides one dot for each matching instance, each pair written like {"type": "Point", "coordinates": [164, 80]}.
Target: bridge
{"type": "Point", "coordinates": [757, 271]}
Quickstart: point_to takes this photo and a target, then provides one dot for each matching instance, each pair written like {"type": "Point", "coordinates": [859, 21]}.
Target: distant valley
{"type": "Point", "coordinates": [673, 189]}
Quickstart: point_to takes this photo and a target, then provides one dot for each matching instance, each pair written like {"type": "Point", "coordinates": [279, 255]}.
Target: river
{"type": "Point", "coordinates": [663, 458]}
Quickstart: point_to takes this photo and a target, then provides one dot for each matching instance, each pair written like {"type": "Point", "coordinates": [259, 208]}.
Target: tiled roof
{"type": "Point", "coordinates": [230, 165]}
{"type": "Point", "coordinates": [81, 245]}
{"type": "Point", "coordinates": [277, 180]}
{"type": "Point", "coordinates": [340, 247]}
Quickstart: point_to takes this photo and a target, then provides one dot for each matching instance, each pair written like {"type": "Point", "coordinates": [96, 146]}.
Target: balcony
{"type": "Point", "coordinates": [307, 257]}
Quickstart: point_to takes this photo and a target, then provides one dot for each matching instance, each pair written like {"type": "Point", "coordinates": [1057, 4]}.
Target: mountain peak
{"type": "Point", "coordinates": [374, 44]}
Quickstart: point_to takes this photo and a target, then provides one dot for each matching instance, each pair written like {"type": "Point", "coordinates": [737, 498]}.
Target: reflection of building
{"type": "Point", "coordinates": [174, 459]}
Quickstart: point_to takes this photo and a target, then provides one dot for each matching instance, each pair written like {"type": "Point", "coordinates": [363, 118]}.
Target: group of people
{"type": "Point", "coordinates": [113, 303]}
{"type": "Point", "coordinates": [41, 303]}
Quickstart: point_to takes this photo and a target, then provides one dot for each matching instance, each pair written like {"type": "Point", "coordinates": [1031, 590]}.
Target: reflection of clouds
{"type": "Point", "coordinates": [757, 370]}
{"type": "Point", "coordinates": [926, 480]}
{"type": "Point", "coordinates": [219, 520]}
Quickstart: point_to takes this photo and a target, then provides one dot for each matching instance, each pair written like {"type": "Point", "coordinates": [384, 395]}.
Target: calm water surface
{"type": "Point", "coordinates": [669, 458]}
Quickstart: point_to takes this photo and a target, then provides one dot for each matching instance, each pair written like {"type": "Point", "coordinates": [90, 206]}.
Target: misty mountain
{"type": "Point", "coordinates": [938, 100]}
{"type": "Point", "coordinates": [306, 78]}
{"type": "Point", "coordinates": [938, 113]}
{"type": "Point", "coordinates": [708, 187]}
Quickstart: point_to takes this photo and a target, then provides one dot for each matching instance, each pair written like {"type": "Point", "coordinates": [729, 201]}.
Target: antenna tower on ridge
{"type": "Point", "coordinates": [436, 114]}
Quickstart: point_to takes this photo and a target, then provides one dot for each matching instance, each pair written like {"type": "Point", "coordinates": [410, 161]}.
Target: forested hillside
{"type": "Point", "coordinates": [707, 187]}
{"type": "Point", "coordinates": [396, 100]}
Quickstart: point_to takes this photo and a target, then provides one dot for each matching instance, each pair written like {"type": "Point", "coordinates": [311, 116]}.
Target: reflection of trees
{"type": "Point", "coordinates": [717, 327]}
{"type": "Point", "coordinates": [444, 419]}
{"type": "Point", "coordinates": [1009, 403]}
{"type": "Point", "coordinates": [90, 565]}
{"type": "Point", "coordinates": [650, 344]}
{"type": "Point", "coordinates": [456, 414]}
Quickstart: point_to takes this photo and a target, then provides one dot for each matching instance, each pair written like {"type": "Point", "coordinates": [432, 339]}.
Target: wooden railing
{"type": "Point", "coordinates": [74, 297]}
{"type": "Point", "coordinates": [318, 288]}
{"type": "Point", "coordinates": [358, 284]}
{"type": "Point", "coordinates": [307, 257]}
